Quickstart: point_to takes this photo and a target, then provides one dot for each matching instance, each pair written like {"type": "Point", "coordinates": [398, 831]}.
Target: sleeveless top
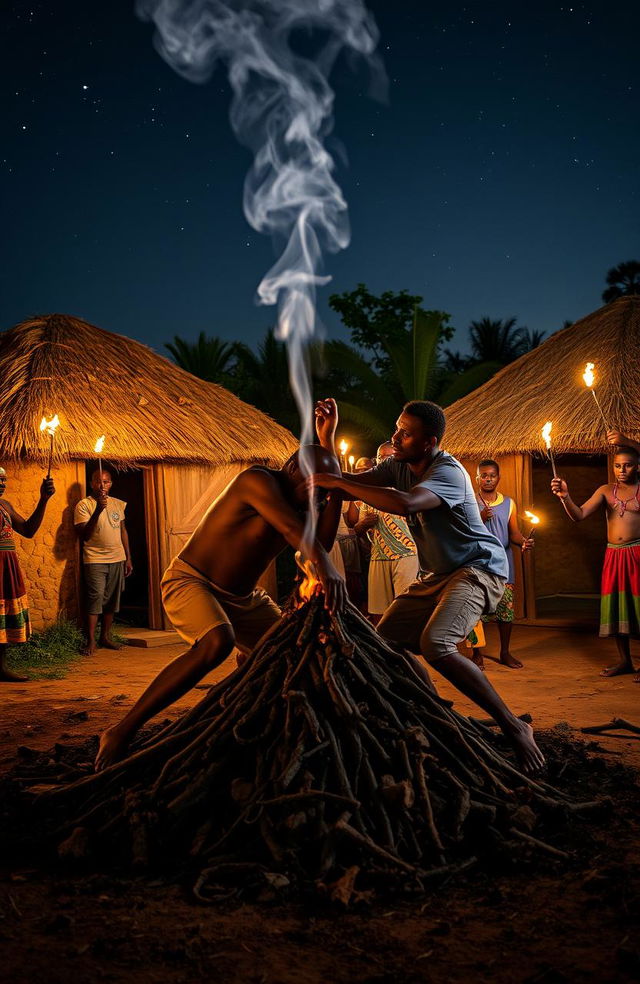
{"type": "Point", "coordinates": [502, 509]}
{"type": "Point", "coordinates": [7, 540]}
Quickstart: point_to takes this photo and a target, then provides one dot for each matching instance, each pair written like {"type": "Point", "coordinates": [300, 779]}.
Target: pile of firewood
{"type": "Point", "coordinates": [325, 757]}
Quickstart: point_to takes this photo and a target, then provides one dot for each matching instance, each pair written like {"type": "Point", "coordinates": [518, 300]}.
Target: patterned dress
{"type": "Point", "coordinates": [14, 609]}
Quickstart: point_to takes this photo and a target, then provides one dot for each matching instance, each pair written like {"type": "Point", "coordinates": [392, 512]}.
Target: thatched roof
{"type": "Point", "coordinates": [507, 413]}
{"type": "Point", "coordinates": [101, 383]}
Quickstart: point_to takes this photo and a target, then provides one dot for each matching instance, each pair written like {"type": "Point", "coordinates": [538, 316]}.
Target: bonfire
{"type": "Point", "coordinates": [325, 761]}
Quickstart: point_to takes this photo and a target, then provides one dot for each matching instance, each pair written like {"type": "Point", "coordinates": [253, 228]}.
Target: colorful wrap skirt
{"type": "Point", "coordinates": [14, 609]}
{"type": "Point", "coordinates": [620, 591]}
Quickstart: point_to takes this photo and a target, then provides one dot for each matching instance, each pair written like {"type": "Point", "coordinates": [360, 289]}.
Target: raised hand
{"type": "Point", "coordinates": [326, 414]}
{"type": "Point", "coordinates": [559, 487]}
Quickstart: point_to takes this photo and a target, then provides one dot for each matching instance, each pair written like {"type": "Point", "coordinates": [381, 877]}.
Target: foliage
{"type": "Point", "coordinates": [209, 358]}
{"type": "Point", "coordinates": [376, 322]}
{"type": "Point", "coordinates": [622, 279]}
{"type": "Point", "coordinates": [48, 654]}
{"type": "Point", "coordinates": [262, 379]}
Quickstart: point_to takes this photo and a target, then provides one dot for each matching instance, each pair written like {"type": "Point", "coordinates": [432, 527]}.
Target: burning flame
{"type": "Point", "coordinates": [587, 375]}
{"type": "Point", "coordinates": [343, 447]}
{"type": "Point", "coordinates": [533, 519]}
{"type": "Point", "coordinates": [352, 461]}
{"type": "Point", "coordinates": [546, 434]}
{"type": "Point", "coordinates": [310, 586]}
{"type": "Point", "coordinates": [50, 425]}
{"type": "Point", "coordinates": [99, 445]}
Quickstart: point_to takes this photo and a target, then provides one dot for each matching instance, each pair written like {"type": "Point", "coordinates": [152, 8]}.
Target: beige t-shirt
{"type": "Point", "coordinates": [105, 544]}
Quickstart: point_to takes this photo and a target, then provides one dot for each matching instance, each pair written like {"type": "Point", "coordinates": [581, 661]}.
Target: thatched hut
{"type": "Point", "coordinates": [503, 419]}
{"type": "Point", "coordinates": [173, 441]}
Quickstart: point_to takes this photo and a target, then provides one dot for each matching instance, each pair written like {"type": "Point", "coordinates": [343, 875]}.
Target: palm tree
{"type": "Point", "coordinates": [209, 358]}
{"type": "Point", "coordinates": [494, 340]}
{"type": "Point", "coordinates": [622, 279]}
{"type": "Point", "coordinates": [262, 379]}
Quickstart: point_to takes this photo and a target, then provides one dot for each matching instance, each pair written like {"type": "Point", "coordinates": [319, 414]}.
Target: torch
{"type": "Point", "coordinates": [98, 450]}
{"type": "Point", "coordinates": [588, 377]}
{"type": "Point", "coordinates": [50, 427]}
{"type": "Point", "coordinates": [343, 447]}
{"type": "Point", "coordinates": [534, 520]}
{"type": "Point", "coordinates": [546, 437]}
{"type": "Point", "coordinates": [352, 461]}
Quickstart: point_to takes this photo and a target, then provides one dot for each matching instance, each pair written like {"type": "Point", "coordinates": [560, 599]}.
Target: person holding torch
{"type": "Point", "coordinates": [15, 627]}
{"type": "Point", "coordinates": [620, 590]}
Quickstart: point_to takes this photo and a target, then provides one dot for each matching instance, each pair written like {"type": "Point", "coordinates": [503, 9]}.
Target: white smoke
{"type": "Point", "coordinates": [282, 110]}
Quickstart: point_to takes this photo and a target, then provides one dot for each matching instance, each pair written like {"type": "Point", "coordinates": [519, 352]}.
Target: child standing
{"type": "Point", "coordinates": [620, 592]}
{"type": "Point", "coordinates": [499, 515]}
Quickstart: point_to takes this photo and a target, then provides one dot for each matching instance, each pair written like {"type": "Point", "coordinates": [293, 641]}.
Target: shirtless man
{"type": "Point", "coordinates": [209, 590]}
{"type": "Point", "coordinates": [467, 565]}
{"type": "Point", "coordinates": [620, 591]}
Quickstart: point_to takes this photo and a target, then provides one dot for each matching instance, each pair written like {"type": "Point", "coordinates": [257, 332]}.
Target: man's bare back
{"type": "Point", "coordinates": [234, 519]}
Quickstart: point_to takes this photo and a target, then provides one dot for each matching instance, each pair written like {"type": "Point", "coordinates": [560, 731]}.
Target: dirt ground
{"type": "Point", "coordinates": [543, 921]}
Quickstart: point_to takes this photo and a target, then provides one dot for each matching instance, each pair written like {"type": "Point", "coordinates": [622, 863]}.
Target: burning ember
{"type": "Point", "coordinates": [534, 520]}
{"type": "Point", "coordinates": [325, 761]}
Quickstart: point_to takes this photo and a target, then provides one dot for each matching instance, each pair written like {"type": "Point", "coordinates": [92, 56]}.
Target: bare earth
{"type": "Point", "coordinates": [549, 922]}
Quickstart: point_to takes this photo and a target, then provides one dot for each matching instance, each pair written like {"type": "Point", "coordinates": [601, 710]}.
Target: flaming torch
{"type": "Point", "coordinates": [352, 461]}
{"type": "Point", "coordinates": [98, 450]}
{"type": "Point", "coordinates": [534, 520]}
{"type": "Point", "coordinates": [50, 427]}
{"type": "Point", "coordinates": [343, 447]}
{"type": "Point", "coordinates": [546, 437]}
{"type": "Point", "coordinates": [588, 377]}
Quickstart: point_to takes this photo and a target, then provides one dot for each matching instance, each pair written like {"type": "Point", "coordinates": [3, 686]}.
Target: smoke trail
{"type": "Point", "coordinates": [281, 109]}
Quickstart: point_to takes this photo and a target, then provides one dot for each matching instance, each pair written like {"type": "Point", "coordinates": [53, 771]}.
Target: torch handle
{"type": "Point", "coordinates": [604, 421]}
{"type": "Point", "coordinates": [553, 463]}
{"type": "Point", "coordinates": [530, 533]}
{"type": "Point", "coordinates": [50, 455]}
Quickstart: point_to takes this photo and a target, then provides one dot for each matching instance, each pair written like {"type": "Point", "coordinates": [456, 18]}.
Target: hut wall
{"type": "Point", "coordinates": [176, 499]}
{"type": "Point", "coordinates": [568, 557]}
{"type": "Point", "coordinates": [515, 482]}
{"type": "Point", "coordinates": [50, 560]}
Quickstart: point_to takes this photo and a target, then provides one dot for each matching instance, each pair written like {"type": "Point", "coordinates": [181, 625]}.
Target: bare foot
{"type": "Point", "coordinates": [108, 644]}
{"type": "Point", "coordinates": [520, 734]}
{"type": "Point", "coordinates": [617, 670]}
{"type": "Point", "coordinates": [89, 649]}
{"type": "Point", "coordinates": [6, 676]}
{"type": "Point", "coordinates": [512, 661]}
{"type": "Point", "coordinates": [113, 746]}
{"type": "Point", "coordinates": [636, 678]}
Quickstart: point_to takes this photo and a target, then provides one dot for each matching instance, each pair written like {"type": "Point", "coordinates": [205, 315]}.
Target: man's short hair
{"type": "Point", "coordinates": [630, 451]}
{"type": "Point", "coordinates": [431, 415]}
{"type": "Point", "coordinates": [104, 471]}
{"type": "Point", "coordinates": [489, 463]}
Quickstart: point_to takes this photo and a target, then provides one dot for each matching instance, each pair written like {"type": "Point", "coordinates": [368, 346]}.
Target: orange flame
{"type": "Point", "coordinates": [49, 425]}
{"type": "Point", "coordinates": [99, 445]}
{"type": "Point", "coordinates": [310, 586]}
{"type": "Point", "coordinates": [343, 447]}
{"type": "Point", "coordinates": [533, 519]}
{"type": "Point", "coordinates": [546, 434]}
{"type": "Point", "coordinates": [587, 375]}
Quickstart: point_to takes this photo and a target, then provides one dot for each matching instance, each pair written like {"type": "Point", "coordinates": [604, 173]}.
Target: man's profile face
{"type": "Point", "coordinates": [410, 442]}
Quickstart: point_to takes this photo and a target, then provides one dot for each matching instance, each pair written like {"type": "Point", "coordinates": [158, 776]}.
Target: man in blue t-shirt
{"type": "Point", "coordinates": [463, 567]}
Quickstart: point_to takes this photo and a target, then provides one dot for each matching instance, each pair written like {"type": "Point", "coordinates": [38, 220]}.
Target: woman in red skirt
{"type": "Point", "coordinates": [14, 609]}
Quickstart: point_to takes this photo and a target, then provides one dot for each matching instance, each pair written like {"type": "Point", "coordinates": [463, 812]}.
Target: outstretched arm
{"type": "Point", "coordinates": [577, 513]}
{"type": "Point", "coordinates": [29, 527]}
{"type": "Point", "coordinates": [380, 497]}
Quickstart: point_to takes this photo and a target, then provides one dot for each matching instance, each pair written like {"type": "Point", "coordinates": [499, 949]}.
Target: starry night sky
{"type": "Point", "coordinates": [500, 179]}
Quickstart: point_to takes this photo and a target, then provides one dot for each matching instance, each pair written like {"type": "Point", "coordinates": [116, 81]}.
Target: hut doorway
{"type": "Point", "coordinates": [568, 556]}
{"type": "Point", "coordinates": [129, 486]}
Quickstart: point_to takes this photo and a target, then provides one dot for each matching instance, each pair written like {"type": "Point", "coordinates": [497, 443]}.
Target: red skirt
{"type": "Point", "coordinates": [14, 609]}
{"type": "Point", "coordinates": [620, 601]}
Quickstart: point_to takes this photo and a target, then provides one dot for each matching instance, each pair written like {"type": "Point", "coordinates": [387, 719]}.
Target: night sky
{"type": "Point", "coordinates": [500, 179]}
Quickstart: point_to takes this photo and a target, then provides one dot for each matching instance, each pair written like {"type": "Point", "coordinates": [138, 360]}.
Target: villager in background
{"type": "Point", "coordinates": [106, 558]}
{"type": "Point", "coordinates": [620, 590]}
{"type": "Point", "coordinates": [15, 626]}
{"type": "Point", "coordinates": [499, 513]}
{"type": "Point", "coordinates": [393, 564]}
{"type": "Point", "coordinates": [209, 590]}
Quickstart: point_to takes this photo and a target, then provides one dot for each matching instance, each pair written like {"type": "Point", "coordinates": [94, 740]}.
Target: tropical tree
{"type": "Point", "coordinates": [622, 279]}
{"type": "Point", "coordinates": [208, 358]}
{"type": "Point", "coordinates": [262, 379]}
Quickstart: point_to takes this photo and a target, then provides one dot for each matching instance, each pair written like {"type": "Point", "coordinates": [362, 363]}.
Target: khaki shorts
{"type": "Point", "coordinates": [195, 605]}
{"type": "Point", "coordinates": [438, 611]}
{"type": "Point", "coordinates": [389, 578]}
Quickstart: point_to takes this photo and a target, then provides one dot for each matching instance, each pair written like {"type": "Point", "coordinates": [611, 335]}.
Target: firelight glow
{"type": "Point", "coordinates": [343, 447]}
{"type": "Point", "coordinates": [50, 425]}
{"type": "Point", "coordinates": [587, 375]}
{"type": "Point", "coordinates": [533, 519]}
{"type": "Point", "coordinates": [99, 445]}
{"type": "Point", "coordinates": [546, 434]}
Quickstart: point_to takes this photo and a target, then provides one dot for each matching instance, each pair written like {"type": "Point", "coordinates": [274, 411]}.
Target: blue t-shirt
{"type": "Point", "coordinates": [452, 535]}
